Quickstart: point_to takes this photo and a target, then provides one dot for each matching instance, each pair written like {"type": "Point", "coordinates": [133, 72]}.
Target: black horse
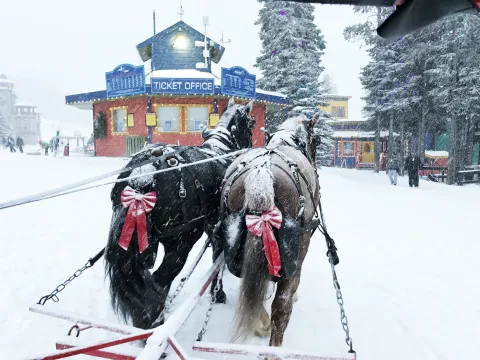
{"type": "Point", "coordinates": [177, 207]}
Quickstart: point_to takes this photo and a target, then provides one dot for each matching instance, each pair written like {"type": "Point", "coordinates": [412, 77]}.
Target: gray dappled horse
{"type": "Point", "coordinates": [270, 192]}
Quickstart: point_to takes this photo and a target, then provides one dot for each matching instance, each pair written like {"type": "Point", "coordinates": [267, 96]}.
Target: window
{"type": "Point", "coordinates": [338, 112]}
{"type": "Point", "coordinates": [348, 149]}
{"type": "Point", "coordinates": [168, 118]}
{"type": "Point", "coordinates": [196, 117]}
{"type": "Point", "coordinates": [119, 120]}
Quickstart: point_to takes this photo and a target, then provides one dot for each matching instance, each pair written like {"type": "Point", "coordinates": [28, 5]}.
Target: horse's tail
{"type": "Point", "coordinates": [259, 197]}
{"type": "Point", "coordinates": [134, 294]}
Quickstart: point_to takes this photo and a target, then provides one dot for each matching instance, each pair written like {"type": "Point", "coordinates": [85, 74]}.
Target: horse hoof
{"type": "Point", "coordinates": [221, 297]}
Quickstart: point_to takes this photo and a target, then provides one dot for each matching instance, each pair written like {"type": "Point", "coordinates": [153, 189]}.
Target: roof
{"type": "Point", "coordinates": [84, 101]}
{"type": "Point", "coordinates": [23, 104]}
{"type": "Point", "coordinates": [436, 154]}
{"type": "Point", "coordinates": [336, 96]}
{"type": "Point", "coordinates": [145, 47]}
{"type": "Point", "coordinates": [344, 121]}
{"type": "Point", "coordinates": [350, 134]}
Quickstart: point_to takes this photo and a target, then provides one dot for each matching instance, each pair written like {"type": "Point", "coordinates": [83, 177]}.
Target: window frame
{"type": "Point", "coordinates": [343, 148]}
{"type": "Point", "coordinates": [339, 107]}
{"type": "Point", "coordinates": [155, 110]}
{"type": "Point", "coordinates": [209, 110]}
{"type": "Point", "coordinates": [112, 120]}
{"type": "Point", "coordinates": [182, 116]}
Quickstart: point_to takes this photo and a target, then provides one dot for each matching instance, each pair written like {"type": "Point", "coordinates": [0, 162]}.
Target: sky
{"type": "Point", "coordinates": [53, 48]}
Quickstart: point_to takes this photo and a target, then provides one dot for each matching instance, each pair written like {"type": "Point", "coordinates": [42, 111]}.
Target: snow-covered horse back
{"type": "Point", "coordinates": [173, 208]}
{"type": "Point", "coordinates": [268, 203]}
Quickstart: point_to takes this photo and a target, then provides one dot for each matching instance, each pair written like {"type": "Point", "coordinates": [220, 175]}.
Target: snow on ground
{"type": "Point", "coordinates": [408, 265]}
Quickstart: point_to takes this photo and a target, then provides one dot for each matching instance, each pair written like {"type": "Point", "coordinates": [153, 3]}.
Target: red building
{"type": "Point", "coordinates": [176, 100]}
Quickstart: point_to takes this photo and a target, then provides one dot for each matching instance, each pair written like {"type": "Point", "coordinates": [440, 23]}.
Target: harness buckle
{"type": "Point", "coordinates": [172, 162]}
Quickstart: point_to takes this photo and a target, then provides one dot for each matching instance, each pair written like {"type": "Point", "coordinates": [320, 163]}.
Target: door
{"type": "Point", "coordinates": [368, 155]}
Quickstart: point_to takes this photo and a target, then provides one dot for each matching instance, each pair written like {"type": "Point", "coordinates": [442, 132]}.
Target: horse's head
{"type": "Point", "coordinates": [237, 120]}
{"type": "Point", "coordinates": [300, 132]}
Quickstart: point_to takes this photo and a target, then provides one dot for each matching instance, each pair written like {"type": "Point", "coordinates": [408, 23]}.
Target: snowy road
{"type": "Point", "coordinates": [408, 265]}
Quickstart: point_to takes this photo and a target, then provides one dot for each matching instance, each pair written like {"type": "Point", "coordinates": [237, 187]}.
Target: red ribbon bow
{"type": "Point", "coordinates": [138, 207]}
{"type": "Point", "coordinates": [262, 226]}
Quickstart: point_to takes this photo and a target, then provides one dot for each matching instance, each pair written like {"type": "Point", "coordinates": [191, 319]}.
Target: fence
{"type": "Point", "coordinates": [135, 143]}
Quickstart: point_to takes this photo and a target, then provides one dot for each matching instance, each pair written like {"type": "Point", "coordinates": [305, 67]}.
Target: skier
{"type": "Point", "coordinates": [412, 166]}
{"type": "Point", "coordinates": [393, 168]}
{"type": "Point", "coordinates": [20, 144]}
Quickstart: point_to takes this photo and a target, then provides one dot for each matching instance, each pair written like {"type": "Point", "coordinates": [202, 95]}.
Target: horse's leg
{"type": "Point", "coordinates": [284, 297]}
{"type": "Point", "coordinates": [217, 249]}
{"type": "Point", "coordinates": [176, 253]}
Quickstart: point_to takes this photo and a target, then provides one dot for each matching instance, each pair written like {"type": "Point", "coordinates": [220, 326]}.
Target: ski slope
{"type": "Point", "coordinates": [408, 265]}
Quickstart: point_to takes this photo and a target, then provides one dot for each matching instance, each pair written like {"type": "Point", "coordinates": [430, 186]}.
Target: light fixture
{"type": "Point", "coordinates": [180, 42]}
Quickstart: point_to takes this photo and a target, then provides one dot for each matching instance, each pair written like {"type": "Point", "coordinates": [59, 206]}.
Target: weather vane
{"type": "Point", "coordinates": [181, 12]}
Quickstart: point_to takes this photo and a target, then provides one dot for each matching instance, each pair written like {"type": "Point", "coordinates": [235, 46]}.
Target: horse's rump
{"type": "Point", "coordinates": [232, 232]}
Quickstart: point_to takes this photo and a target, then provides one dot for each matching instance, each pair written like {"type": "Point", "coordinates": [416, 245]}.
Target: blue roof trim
{"type": "Point", "coordinates": [102, 95]}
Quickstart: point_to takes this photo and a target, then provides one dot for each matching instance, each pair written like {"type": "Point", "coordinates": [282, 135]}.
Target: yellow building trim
{"type": "Point", "coordinates": [332, 103]}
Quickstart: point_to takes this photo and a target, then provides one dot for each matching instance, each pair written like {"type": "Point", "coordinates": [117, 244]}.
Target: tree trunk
{"type": "Point", "coordinates": [470, 144]}
{"type": "Point", "coordinates": [402, 145]}
{"type": "Point", "coordinates": [451, 152]}
{"type": "Point", "coordinates": [390, 138]}
{"type": "Point", "coordinates": [377, 145]}
{"type": "Point", "coordinates": [421, 134]}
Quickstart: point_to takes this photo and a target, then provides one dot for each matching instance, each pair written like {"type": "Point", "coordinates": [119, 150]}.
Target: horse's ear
{"type": "Point", "coordinates": [315, 120]}
{"type": "Point", "coordinates": [249, 107]}
{"type": "Point", "coordinates": [231, 102]}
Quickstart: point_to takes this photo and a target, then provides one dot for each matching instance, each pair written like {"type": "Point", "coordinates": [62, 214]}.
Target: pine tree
{"type": "Point", "coordinates": [325, 148]}
{"type": "Point", "coordinates": [292, 47]}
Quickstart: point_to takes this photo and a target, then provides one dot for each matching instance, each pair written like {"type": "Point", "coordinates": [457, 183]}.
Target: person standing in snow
{"type": "Point", "coordinates": [11, 144]}
{"type": "Point", "coordinates": [393, 168]}
{"type": "Point", "coordinates": [412, 166]}
{"type": "Point", "coordinates": [20, 144]}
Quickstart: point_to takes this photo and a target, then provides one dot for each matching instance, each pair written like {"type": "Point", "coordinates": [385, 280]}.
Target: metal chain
{"type": "Point", "coordinates": [343, 316]}
{"type": "Point", "coordinates": [61, 287]}
{"type": "Point", "coordinates": [208, 315]}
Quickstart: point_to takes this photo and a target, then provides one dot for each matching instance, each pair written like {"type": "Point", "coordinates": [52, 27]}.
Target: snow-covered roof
{"type": "Point", "coordinates": [20, 103]}
{"type": "Point", "coordinates": [341, 121]}
{"type": "Point", "coordinates": [273, 93]}
{"type": "Point", "coordinates": [182, 74]}
{"type": "Point", "coordinates": [358, 134]}
{"type": "Point", "coordinates": [436, 154]}
{"type": "Point", "coordinates": [336, 96]}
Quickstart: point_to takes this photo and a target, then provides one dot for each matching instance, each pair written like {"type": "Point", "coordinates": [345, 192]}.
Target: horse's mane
{"type": "Point", "coordinates": [291, 123]}
{"type": "Point", "coordinates": [285, 133]}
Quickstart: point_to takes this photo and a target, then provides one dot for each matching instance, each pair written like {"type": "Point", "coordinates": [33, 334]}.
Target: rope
{"type": "Point", "coordinates": [57, 193]}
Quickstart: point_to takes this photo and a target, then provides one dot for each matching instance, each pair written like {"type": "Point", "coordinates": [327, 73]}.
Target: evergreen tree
{"type": "Point", "coordinates": [324, 153]}
{"type": "Point", "coordinates": [292, 47]}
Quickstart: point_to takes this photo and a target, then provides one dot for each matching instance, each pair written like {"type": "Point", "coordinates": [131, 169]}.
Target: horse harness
{"type": "Point", "coordinates": [179, 157]}
{"type": "Point", "coordinates": [293, 175]}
